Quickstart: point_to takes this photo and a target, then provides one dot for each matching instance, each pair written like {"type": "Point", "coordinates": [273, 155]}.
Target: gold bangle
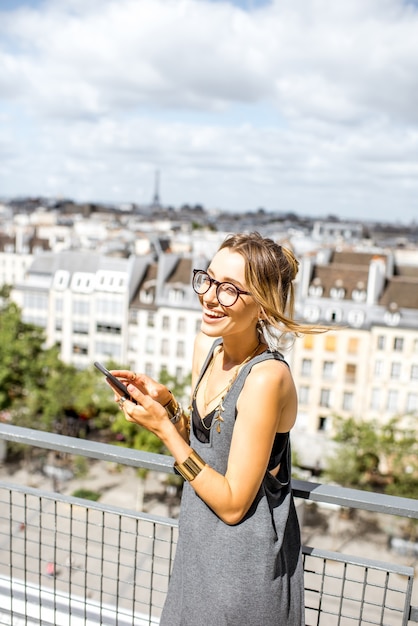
{"type": "Point", "coordinates": [191, 467]}
{"type": "Point", "coordinates": [172, 406]}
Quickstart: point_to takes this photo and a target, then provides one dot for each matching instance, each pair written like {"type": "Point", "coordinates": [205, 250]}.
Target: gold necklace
{"type": "Point", "coordinates": [217, 418]}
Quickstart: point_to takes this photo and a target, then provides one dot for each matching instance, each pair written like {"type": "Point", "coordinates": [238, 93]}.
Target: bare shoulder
{"type": "Point", "coordinates": [270, 388]}
{"type": "Point", "coordinates": [274, 372]}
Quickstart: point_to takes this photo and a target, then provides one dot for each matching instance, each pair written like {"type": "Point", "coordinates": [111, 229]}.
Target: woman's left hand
{"type": "Point", "coordinates": [150, 397]}
{"type": "Point", "coordinates": [146, 412]}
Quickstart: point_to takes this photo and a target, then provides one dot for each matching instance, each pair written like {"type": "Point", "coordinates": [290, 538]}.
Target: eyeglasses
{"type": "Point", "coordinates": [227, 293]}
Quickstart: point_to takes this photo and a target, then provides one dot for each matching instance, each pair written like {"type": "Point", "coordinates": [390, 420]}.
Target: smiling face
{"type": "Point", "coordinates": [240, 318]}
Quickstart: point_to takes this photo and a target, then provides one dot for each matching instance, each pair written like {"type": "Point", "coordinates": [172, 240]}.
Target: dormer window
{"type": "Point", "coordinates": [337, 292]}
{"type": "Point", "coordinates": [176, 295]}
{"type": "Point", "coordinates": [311, 313]}
{"type": "Point", "coordinates": [359, 293]}
{"type": "Point", "coordinates": [356, 318]}
{"type": "Point", "coordinates": [392, 316]}
{"type": "Point", "coordinates": [316, 289]}
{"type": "Point", "coordinates": [146, 296]}
{"type": "Point", "coordinates": [61, 279]}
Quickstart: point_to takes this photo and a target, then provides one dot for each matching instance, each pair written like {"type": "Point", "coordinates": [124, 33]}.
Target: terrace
{"type": "Point", "coordinates": [70, 561]}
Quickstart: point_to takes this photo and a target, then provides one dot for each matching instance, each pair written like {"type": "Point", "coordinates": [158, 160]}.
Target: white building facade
{"type": "Point", "coordinates": [140, 312]}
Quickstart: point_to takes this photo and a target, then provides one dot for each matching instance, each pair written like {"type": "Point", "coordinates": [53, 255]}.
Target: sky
{"type": "Point", "coordinates": [304, 106]}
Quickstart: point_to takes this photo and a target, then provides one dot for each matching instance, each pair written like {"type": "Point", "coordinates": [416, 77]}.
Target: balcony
{"type": "Point", "coordinates": [68, 561]}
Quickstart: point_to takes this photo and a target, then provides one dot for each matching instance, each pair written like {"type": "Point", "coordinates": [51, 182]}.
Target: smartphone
{"type": "Point", "coordinates": [114, 382]}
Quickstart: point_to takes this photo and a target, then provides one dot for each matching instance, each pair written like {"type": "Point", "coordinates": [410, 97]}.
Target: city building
{"type": "Point", "coordinates": [126, 297]}
{"type": "Point", "coordinates": [367, 367]}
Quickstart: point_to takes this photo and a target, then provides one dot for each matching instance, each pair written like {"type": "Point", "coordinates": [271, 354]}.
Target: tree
{"type": "Point", "coordinates": [375, 456]}
{"type": "Point", "coordinates": [37, 389]}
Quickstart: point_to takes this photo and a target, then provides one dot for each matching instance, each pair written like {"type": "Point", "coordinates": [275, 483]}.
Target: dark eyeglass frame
{"type": "Point", "coordinates": [218, 284]}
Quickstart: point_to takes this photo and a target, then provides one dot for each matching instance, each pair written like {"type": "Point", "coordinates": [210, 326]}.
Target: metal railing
{"type": "Point", "coordinates": [69, 561]}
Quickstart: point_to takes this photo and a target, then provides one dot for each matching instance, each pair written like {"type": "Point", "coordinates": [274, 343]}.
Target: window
{"type": "Point", "coordinates": [414, 372]}
{"type": "Point", "coordinates": [111, 329]}
{"type": "Point", "coordinates": [348, 398]}
{"type": "Point", "coordinates": [133, 316]}
{"type": "Point", "coordinates": [306, 367]}
{"type": "Point", "coordinates": [165, 347]}
{"type": "Point", "coordinates": [392, 318]}
{"type": "Point", "coordinates": [181, 325]}
{"type": "Point", "coordinates": [398, 344]}
{"type": "Point", "coordinates": [79, 349]}
{"type": "Point", "coordinates": [392, 402]}
{"type": "Point", "coordinates": [359, 295]}
{"type": "Point", "coordinates": [395, 370]}
{"type": "Point", "coordinates": [150, 320]}
{"type": "Point", "coordinates": [381, 342]}
{"type": "Point", "coordinates": [108, 350]}
{"type": "Point", "coordinates": [35, 301]}
{"type": "Point", "coordinates": [330, 343]}
{"type": "Point", "coordinates": [180, 352]}
{"type": "Point", "coordinates": [311, 313]}
{"type": "Point", "coordinates": [304, 394]}
{"type": "Point", "coordinates": [149, 369]}
{"type": "Point", "coordinates": [334, 315]}
{"type": "Point", "coordinates": [82, 282]}
{"type": "Point", "coordinates": [166, 322]}
{"type": "Point", "coordinates": [375, 399]}
{"type": "Point", "coordinates": [308, 342]}
{"type": "Point", "coordinates": [412, 402]}
{"type": "Point", "coordinates": [315, 290]}
{"type": "Point", "coordinates": [149, 345]}
{"type": "Point", "coordinates": [353, 344]}
{"type": "Point", "coordinates": [111, 305]}
{"type": "Point", "coordinates": [179, 373]}
{"type": "Point", "coordinates": [325, 399]}
{"type": "Point", "coordinates": [378, 369]}
{"type": "Point", "coordinates": [61, 279]}
{"type": "Point", "coordinates": [337, 292]}
{"type": "Point", "coordinates": [147, 295]}
{"type": "Point", "coordinates": [176, 295]}
{"type": "Point", "coordinates": [356, 318]}
{"type": "Point", "coordinates": [82, 328]}
{"type": "Point", "coordinates": [323, 423]}
{"type": "Point", "coordinates": [198, 325]}
{"type": "Point", "coordinates": [350, 372]}
{"type": "Point", "coordinates": [328, 369]}
{"type": "Point", "coordinates": [81, 307]}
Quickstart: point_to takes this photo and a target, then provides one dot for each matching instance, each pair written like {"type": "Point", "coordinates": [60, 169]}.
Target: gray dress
{"type": "Point", "coordinates": [247, 574]}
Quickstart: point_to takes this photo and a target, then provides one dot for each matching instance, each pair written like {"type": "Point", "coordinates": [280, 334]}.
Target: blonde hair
{"type": "Point", "coordinates": [270, 271]}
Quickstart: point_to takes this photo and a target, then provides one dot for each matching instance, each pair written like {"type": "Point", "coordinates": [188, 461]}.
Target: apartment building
{"type": "Point", "coordinates": [368, 366]}
{"type": "Point", "coordinates": [16, 255]}
{"type": "Point", "coordinates": [141, 312]}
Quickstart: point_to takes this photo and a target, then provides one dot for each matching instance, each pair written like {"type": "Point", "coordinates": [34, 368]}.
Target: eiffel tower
{"type": "Point", "coordinates": [156, 199]}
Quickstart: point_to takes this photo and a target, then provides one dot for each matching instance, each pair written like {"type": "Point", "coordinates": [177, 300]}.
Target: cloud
{"type": "Point", "coordinates": [295, 104]}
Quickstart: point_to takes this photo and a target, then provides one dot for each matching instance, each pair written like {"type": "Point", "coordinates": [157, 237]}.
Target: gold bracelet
{"type": "Point", "coordinates": [174, 409]}
{"type": "Point", "coordinates": [191, 467]}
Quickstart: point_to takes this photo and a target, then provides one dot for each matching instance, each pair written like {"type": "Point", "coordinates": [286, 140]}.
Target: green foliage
{"type": "Point", "coordinates": [380, 457]}
{"type": "Point", "coordinates": [86, 494]}
{"type": "Point", "coordinates": [36, 388]}
{"type": "Point", "coordinates": [177, 387]}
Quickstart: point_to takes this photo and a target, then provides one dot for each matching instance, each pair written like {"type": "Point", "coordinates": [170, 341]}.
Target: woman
{"type": "Point", "coordinates": [238, 558]}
